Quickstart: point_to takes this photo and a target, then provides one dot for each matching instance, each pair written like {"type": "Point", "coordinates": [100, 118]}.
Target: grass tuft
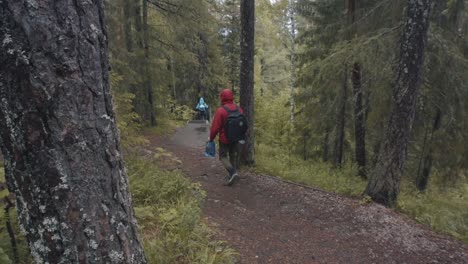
{"type": "Point", "coordinates": [445, 210]}
{"type": "Point", "coordinates": [275, 162]}
{"type": "Point", "coordinates": [168, 208]}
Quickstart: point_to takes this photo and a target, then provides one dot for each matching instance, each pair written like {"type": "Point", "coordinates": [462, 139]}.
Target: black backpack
{"type": "Point", "coordinates": [235, 126]}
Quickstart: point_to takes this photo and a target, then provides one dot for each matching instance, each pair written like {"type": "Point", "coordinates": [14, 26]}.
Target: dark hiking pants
{"type": "Point", "coordinates": [229, 156]}
{"type": "Point", "coordinates": [202, 115]}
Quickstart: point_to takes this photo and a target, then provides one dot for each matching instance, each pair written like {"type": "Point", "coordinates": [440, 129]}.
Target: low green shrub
{"type": "Point", "coordinates": [181, 113]}
{"type": "Point", "coordinates": [168, 208]}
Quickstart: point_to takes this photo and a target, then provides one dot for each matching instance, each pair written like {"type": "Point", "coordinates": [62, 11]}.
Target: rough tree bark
{"type": "Point", "coordinates": [58, 134]}
{"type": "Point", "coordinates": [384, 183]}
{"type": "Point", "coordinates": [247, 9]}
{"type": "Point", "coordinates": [341, 121]}
{"type": "Point", "coordinates": [359, 121]}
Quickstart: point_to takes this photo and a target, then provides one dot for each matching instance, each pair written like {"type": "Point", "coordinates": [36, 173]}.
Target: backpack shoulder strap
{"type": "Point", "coordinates": [227, 109]}
{"type": "Point", "coordinates": [231, 111]}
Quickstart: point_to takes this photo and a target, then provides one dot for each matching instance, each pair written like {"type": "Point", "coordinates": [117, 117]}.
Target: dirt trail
{"type": "Point", "coordinates": [270, 221]}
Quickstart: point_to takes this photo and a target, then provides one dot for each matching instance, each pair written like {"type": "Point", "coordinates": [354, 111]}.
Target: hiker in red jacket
{"type": "Point", "coordinates": [228, 151]}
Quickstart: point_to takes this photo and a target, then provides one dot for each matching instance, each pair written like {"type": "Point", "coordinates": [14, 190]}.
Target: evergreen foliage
{"type": "Point", "coordinates": [165, 54]}
{"type": "Point", "coordinates": [183, 54]}
{"type": "Point", "coordinates": [326, 48]}
{"type": "Point", "coordinates": [437, 147]}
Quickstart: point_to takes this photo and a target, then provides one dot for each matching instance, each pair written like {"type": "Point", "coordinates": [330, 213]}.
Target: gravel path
{"type": "Point", "coordinates": [270, 221]}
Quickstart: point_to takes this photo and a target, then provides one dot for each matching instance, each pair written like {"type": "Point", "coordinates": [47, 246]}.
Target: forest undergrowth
{"type": "Point", "coordinates": [166, 203]}
{"type": "Point", "coordinates": [168, 209]}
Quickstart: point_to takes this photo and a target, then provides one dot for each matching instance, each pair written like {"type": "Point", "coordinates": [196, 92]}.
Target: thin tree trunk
{"type": "Point", "coordinates": [293, 58]}
{"type": "Point", "coordinates": [173, 78]}
{"type": "Point", "coordinates": [384, 183]}
{"type": "Point", "coordinates": [247, 75]}
{"type": "Point", "coordinates": [351, 8]}
{"type": "Point", "coordinates": [306, 139]}
{"type": "Point", "coordinates": [359, 121]}
{"type": "Point", "coordinates": [325, 145]}
{"type": "Point", "coordinates": [423, 176]}
{"type": "Point", "coordinates": [359, 113]}
{"type": "Point", "coordinates": [147, 77]}
{"type": "Point", "coordinates": [127, 10]}
{"type": "Point", "coordinates": [138, 22]}
{"type": "Point", "coordinates": [59, 137]}
{"type": "Point", "coordinates": [341, 123]}
{"type": "Point", "coordinates": [139, 87]}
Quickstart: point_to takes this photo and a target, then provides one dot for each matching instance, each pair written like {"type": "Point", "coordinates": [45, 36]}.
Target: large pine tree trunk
{"type": "Point", "coordinates": [359, 120]}
{"type": "Point", "coordinates": [58, 134]}
{"type": "Point", "coordinates": [384, 183]}
{"type": "Point", "coordinates": [247, 74]}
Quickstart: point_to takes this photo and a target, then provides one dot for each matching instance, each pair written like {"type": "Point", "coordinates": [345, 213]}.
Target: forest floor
{"type": "Point", "coordinates": [271, 221]}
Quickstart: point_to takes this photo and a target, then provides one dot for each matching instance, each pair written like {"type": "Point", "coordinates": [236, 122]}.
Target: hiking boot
{"type": "Point", "coordinates": [231, 179]}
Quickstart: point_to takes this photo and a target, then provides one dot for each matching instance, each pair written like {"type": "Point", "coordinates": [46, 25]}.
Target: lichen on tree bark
{"type": "Point", "coordinates": [384, 183]}
{"type": "Point", "coordinates": [58, 134]}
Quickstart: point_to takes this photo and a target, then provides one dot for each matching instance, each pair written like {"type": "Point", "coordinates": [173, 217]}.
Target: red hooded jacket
{"type": "Point", "coordinates": [221, 115]}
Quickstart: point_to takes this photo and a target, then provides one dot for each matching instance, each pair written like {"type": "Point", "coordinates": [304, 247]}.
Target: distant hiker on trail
{"type": "Point", "coordinates": [202, 107]}
{"type": "Point", "coordinates": [231, 125]}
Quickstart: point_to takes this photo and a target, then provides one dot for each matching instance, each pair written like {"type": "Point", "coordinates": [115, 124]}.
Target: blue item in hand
{"type": "Point", "coordinates": [210, 150]}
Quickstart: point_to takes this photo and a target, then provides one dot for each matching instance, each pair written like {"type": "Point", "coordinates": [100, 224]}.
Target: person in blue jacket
{"type": "Point", "coordinates": [202, 108]}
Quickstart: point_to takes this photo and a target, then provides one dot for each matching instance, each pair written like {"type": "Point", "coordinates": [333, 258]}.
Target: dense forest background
{"type": "Point", "coordinates": [324, 74]}
{"type": "Point", "coordinates": [165, 55]}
